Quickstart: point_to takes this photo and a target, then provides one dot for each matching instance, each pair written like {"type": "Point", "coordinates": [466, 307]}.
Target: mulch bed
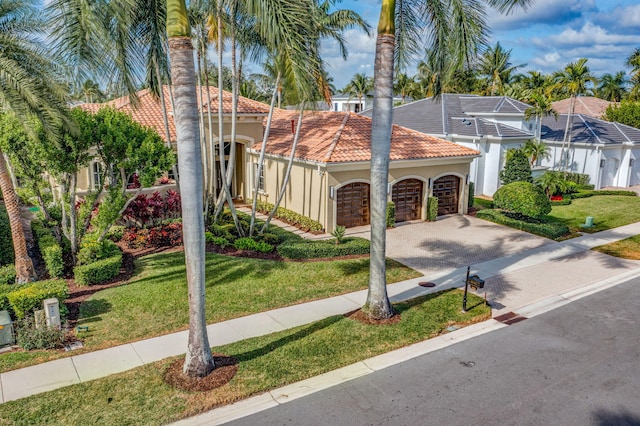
{"type": "Point", "coordinates": [226, 369]}
{"type": "Point", "coordinates": [360, 316]}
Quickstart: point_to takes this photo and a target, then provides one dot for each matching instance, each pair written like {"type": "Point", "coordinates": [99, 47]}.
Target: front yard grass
{"type": "Point", "coordinates": [154, 301]}
{"type": "Point", "coordinates": [626, 249]}
{"type": "Point", "coordinates": [140, 396]}
{"type": "Point", "coordinates": [608, 211]}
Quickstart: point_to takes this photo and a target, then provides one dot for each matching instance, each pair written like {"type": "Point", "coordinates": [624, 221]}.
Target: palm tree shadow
{"type": "Point", "coordinates": [603, 417]}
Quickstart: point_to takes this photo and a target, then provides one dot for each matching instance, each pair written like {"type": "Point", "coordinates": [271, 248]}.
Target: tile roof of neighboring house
{"type": "Point", "coordinates": [460, 114]}
{"type": "Point", "coordinates": [149, 110]}
{"type": "Point", "coordinates": [589, 130]}
{"type": "Point", "coordinates": [587, 105]}
{"type": "Point", "coordinates": [338, 137]}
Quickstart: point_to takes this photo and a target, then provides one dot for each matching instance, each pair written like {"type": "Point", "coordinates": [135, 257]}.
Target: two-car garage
{"type": "Point", "coordinates": [353, 200]}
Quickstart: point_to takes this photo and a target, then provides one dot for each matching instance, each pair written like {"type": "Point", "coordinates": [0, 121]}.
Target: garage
{"type": "Point", "coordinates": [407, 196]}
{"type": "Point", "coordinates": [447, 189]}
{"type": "Point", "coordinates": [353, 205]}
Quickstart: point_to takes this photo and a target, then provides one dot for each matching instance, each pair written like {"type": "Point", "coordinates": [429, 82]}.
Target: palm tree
{"type": "Point", "coordinates": [495, 65]}
{"type": "Point", "coordinates": [536, 150]}
{"type": "Point", "coordinates": [613, 87]}
{"type": "Point", "coordinates": [198, 360]}
{"type": "Point", "coordinates": [359, 86]}
{"type": "Point", "coordinates": [404, 85]}
{"type": "Point", "coordinates": [542, 107]}
{"type": "Point", "coordinates": [29, 86]}
{"type": "Point", "coordinates": [633, 62]}
{"type": "Point", "coordinates": [574, 80]}
{"type": "Point", "coordinates": [460, 25]}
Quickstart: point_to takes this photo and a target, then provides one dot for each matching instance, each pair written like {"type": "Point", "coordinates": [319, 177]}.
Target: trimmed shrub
{"type": "Point", "coordinates": [4, 290]}
{"type": "Point", "coordinates": [291, 217]}
{"type": "Point", "coordinates": [307, 249]}
{"type": "Point", "coordinates": [6, 242]}
{"type": "Point", "coordinates": [51, 252]}
{"type": "Point", "coordinates": [586, 194]}
{"type": "Point", "coordinates": [99, 271]}
{"type": "Point", "coordinates": [30, 337]}
{"type": "Point", "coordinates": [7, 274]}
{"type": "Point", "coordinates": [523, 198]}
{"type": "Point", "coordinates": [92, 250]}
{"type": "Point", "coordinates": [432, 209]}
{"type": "Point", "coordinates": [247, 243]}
{"type": "Point", "coordinates": [28, 297]}
{"type": "Point", "coordinates": [481, 202]}
{"type": "Point", "coordinates": [472, 192]}
{"type": "Point", "coordinates": [551, 230]}
{"type": "Point", "coordinates": [115, 233]}
{"type": "Point", "coordinates": [391, 214]}
{"type": "Point", "coordinates": [516, 169]}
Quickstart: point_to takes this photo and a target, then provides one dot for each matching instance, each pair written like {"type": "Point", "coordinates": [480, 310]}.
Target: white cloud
{"type": "Point", "coordinates": [548, 12]}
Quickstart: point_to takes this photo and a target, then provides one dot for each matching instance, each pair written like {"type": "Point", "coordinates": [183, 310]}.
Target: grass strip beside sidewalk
{"type": "Point", "coordinates": [140, 396]}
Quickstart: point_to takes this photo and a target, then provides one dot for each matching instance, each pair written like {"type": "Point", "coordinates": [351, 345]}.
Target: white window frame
{"type": "Point", "coordinates": [258, 180]}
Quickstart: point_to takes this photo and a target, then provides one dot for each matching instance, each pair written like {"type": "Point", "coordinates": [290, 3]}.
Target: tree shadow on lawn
{"type": "Point", "coordinates": [91, 309]}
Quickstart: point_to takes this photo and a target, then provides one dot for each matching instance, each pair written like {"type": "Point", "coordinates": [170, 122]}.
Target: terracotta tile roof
{"type": "Point", "coordinates": [337, 137]}
{"type": "Point", "coordinates": [587, 105]}
{"type": "Point", "coordinates": [149, 110]}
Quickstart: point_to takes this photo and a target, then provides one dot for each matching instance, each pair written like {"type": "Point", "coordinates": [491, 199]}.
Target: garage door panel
{"type": "Point", "coordinates": [446, 189]}
{"type": "Point", "coordinates": [407, 196]}
{"type": "Point", "coordinates": [353, 205]}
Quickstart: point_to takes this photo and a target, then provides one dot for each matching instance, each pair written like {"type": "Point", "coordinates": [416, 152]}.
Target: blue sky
{"type": "Point", "coordinates": [549, 35]}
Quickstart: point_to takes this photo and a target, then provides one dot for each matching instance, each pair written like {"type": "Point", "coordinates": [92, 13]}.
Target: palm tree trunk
{"type": "Point", "coordinates": [263, 149]}
{"type": "Point", "coordinates": [378, 305]}
{"type": "Point", "coordinates": [287, 174]}
{"type": "Point", "coordinates": [24, 266]}
{"type": "Point", "coordinates": [198, 360]}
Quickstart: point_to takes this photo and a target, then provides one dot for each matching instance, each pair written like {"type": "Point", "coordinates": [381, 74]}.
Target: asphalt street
{"type": "Point", "coordinates": [576, 365]}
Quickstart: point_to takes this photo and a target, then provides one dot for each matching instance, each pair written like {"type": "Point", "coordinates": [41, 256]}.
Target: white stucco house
{"type": "Point", "coordinates": [605, 151]}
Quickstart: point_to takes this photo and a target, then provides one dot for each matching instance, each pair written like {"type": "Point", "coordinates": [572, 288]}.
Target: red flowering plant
{"type": "Point", "coordinates": [556, 198]}
{"type": "Point", "coordinates": [152, 220]}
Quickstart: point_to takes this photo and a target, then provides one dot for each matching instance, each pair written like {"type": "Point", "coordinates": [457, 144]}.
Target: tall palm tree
{"type": "Point", "coordinates": [359, 86]}
{"type": "Point", "coordinates": [542, 107]}
{"type": "Point", "coordinates": [404, 85]}
{"type": "Point", "coordinates": [29, 86]}
{"type": "Point", "coordinates": [459, 24]}
{"type": "Point", "coordinates": [496, 66]}
{"type": "Point", "coordinates": [574, 80]}
{"type": "Point", "coordinates": [536, 150]}
{"type": "Point", "coordinates": [633, 62]}
{"type": "Point", "coordinates": [613, 87]}
{"type": "Point", "coordinates": [198, 360]}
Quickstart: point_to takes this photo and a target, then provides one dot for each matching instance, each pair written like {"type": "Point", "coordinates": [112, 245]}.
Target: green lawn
{"type": "Point", "coordinates": [628, 248]}
{"type": "Point", "coordinates": [141, 397]}
{"type": "Point", "coordinates": [154, 302]}
{"type": "Point", "coordinates": [608, 211]}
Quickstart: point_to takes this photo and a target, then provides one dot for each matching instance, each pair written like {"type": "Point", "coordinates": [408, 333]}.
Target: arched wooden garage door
{"type": "Point", "coordinates": [353, 205]}
{"type": "Point", "coordinates": [407, 196]}
{"type": "Point", "coordinates": [447, 189]}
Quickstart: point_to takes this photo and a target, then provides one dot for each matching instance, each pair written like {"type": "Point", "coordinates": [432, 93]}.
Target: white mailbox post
{"type": "Point", "coordinates": [52, 312]}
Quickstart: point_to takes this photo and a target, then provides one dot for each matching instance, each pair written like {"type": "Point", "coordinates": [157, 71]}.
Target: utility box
{"type": "Point", "coordinates": [52, 312]}
{"type": "Point", "coordinates": [6, 329]}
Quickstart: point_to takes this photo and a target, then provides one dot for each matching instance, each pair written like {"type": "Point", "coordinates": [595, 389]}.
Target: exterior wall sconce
{"type": "Point", "coordinates": [601, 163]}
{"type": "Point", "coordinates": [631, 161]}
{"type": "Point", "coordinates": [331, 192]}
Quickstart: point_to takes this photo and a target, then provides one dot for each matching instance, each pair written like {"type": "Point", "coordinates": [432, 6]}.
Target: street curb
{"type": "Point", "coordinates": [288, 393]}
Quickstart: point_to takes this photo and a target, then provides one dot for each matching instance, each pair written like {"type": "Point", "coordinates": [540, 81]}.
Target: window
{"type": "Point", "coordinates": [97, 172]}
{"type": "Point", "coordinates": [258, 180]}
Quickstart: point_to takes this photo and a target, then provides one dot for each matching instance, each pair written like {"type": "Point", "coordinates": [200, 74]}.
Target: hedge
{"type": "Point", "coordinates": [432, 209]}
{"type": "Point", "coordinates": [585, 194]}
{"type": "Point", "coordinates": [471, 195]}
{"type": "Point", "coordinates": [481, 202]}
{"type": "Point", "coordinates": [29, 297]}
{"type": "Point", "coordinates": [551, 230]}
{"type": "Point", "coordinates": [523, 198]}
{"type": "Point", "coordinates": [99, 271]}
{"type": "Point", "coordinates": [49, 249]}
{"type": "Point", "coordinates": [307, 249]}
{"type": "Point", "coordinates": [391, 214]}
{"type": "Point", "coordinates": [6, 243]}
{"type": "Point", "coordinates": [291, 217]}
{"type": "Point", "coordinates": [4, 290]}
{"type": "Point", "coordinates": [8, 274]}
{"type": "Point", "coordinates": [247, 243]}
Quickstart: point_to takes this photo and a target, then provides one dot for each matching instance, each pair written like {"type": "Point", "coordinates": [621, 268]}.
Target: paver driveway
{"type": "Point", "coordinates": [451, 242]}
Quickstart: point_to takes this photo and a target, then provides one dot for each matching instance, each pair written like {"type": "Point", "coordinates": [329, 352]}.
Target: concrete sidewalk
{"type": "Point", "coordinates": [543, 272]}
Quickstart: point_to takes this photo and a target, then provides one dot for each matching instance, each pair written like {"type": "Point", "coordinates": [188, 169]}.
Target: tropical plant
{"type": "Point", "coordinates": [552, 183]}
{"type": "Point", "coordinates": [573, 80]}
{"type": "Point", "coordinates": [628, 112]}
{"type": "Point", "coordinates": [359, 87]}
{"type": "Point", "coordinates": [612, 87]}
{"type": "Point", "coordinates": [339, 234]}
{"type": "Point", "coordinates": [30, 85]}
{"type": "Point", "coordinates": [459, 25]}
{"type": "Point", "coordinates": [495, 66]}
{"type": "Point", "coordinates": [633, 61]}
{"type": "Point", "coordinates": [542, 107]}
{"type": "Point", "coordinates": [536, 150]}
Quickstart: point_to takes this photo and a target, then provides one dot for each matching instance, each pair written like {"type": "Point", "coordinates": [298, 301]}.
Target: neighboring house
{"type": "Point", "coordinates": [330, 179]}
{"type": "Point", "coordinates": [585, 105]}
{"type": "Point", "coordinates": [489, 124]}
{"type": "Point", "coordinates": [330, 175]}
{"type": "Point", "coordinates": [606, 151]}
{"type": "Point", "coordinates": [343, 103]}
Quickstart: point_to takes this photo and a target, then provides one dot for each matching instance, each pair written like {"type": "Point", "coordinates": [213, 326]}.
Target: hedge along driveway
{"type": "Point", "coordinates": [155, 301]}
